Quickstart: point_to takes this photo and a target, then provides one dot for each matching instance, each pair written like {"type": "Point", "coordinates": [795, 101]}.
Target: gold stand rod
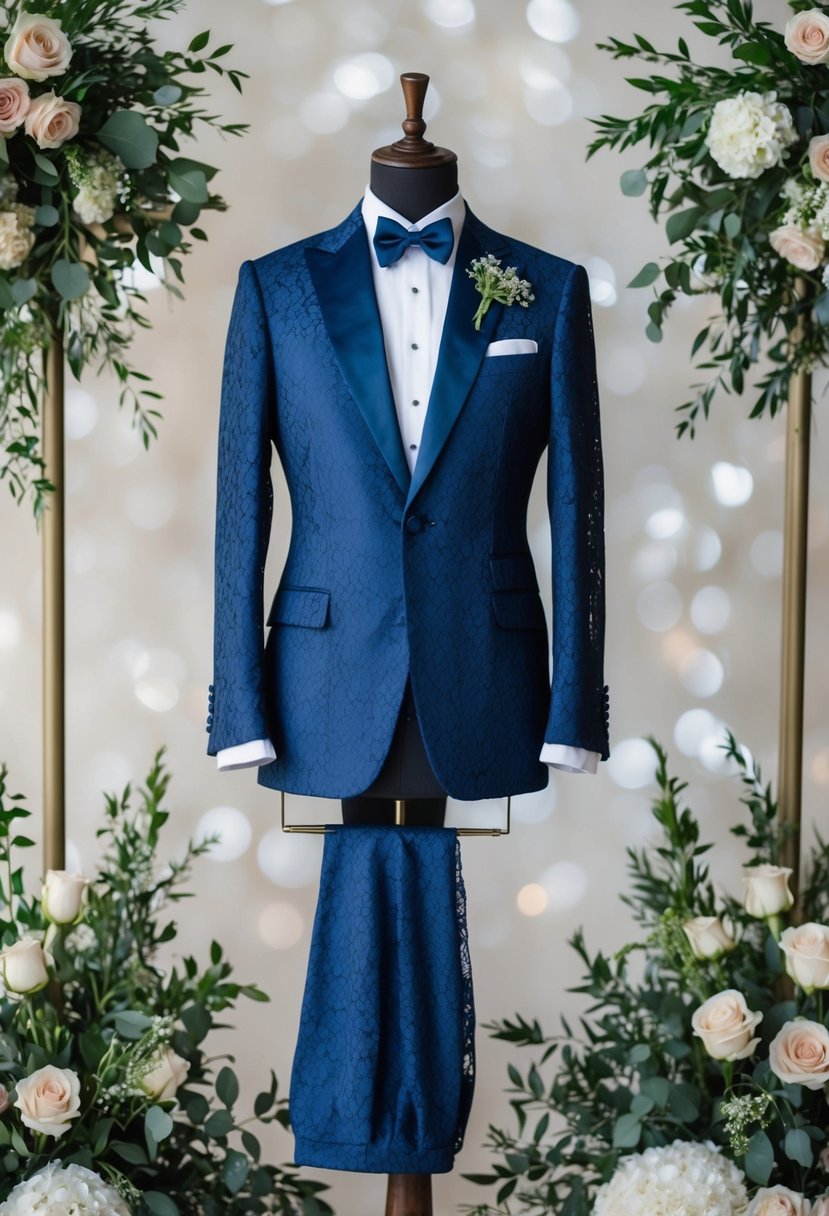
{"type": "Point", "coordinates": [319, 829]}
{"type": "Point", "coordinates": [793, 649]}
{"type": "Point", "coordinates": [54, 611]}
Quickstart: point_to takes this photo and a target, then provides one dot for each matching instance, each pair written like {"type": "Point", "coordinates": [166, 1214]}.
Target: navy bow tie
{"type": "Point", "coordinates": [391, 240]}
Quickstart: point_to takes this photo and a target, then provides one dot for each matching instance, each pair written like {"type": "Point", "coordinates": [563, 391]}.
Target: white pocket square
{"type": "Point", "coordinates": [512, 346]}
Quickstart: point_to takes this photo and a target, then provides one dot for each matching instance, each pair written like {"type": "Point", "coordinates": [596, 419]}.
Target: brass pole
{"type": "Point", "coordinates": [793, 648]}
{"type": "Point", "coordinates": [54, 658]}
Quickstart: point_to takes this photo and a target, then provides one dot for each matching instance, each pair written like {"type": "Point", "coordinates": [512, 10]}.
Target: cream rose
{"type": "Point", "coordinates": [726, 1026]}
{"type": "Point", "coordinates": [804, 248]}
{"type": "Point", "coordinates": [766, 888]}
{"type": "Point", "coordinates": [708, 936]}
{"type": "Point", "coordinates": [63, 896]}
{"type": "Point", "coordinates": [16, 236]}
{"type": "Point", "coordinates": [5, 1101]}
{"type": "Point", "coordinates": [820, 1207]}
{"type": "Point", "coordinates": [24, 966]}
{"type": "Point", "coordinates": [14, 103]}
{"type": "Point", "coordinates": [166, 1073]}
{"type": "Point", "coordinates": [49, 1100]}
{"type": "Point", "coordinates": [51, 120]}
{"type": "Point", "coordinates": [778, 1201]}
{"type": "Point", "coordinates": [807, 36]}
{"type": "Point", "coordinates": [799, 1054]}
{"type": "Point", "coordinates": [819, 157]}
{"type": "Point", "coordinates": [37, 47]}
{"type": "Point", "coordinates": [807, 955]}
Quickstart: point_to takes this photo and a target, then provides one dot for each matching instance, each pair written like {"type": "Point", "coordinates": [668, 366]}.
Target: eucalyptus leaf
{"type": "Point", "coordinates": [129, 136]}
{"type": "Point", "coordinates": [46, 215]}
{"type": "Point", "coordinates": [71, 279]}
{"type": "Point", "coordinates": [227, 1087]}
{"type": "Point", "coordinates": [634, 182]}
{"type": "Point", "coordinates": [235, 1171]}
{"type": "Point", "coordinates": [759, 1160]}
{"type": "Point", "coordinates": [160, 1204]}
{"type": "Point", "coordinates": [648, 274]}
{"type": "Point", "coordinates": [798, 1147]}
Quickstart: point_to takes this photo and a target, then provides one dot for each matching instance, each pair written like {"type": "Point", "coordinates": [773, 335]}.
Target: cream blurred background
{"type": "Point", "coordinates": [693, 528]}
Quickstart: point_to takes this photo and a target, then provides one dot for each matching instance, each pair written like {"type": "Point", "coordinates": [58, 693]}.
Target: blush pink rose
{"type": "Point", "coordinates": [37, 47]}
{"type": "Point", "coordinates": [726, 1026]}
{"type": "Point", "coordinates": [51, 120]}
{"type": "Point", "coordinates": [807, 36]}
{"type": "Point", "coordinates": [799, 1054]}
{"type": "Point", "coordinates": [803, 248]}
{"type": "Point", "coordinates": [14, 103]}
{"type": "Point", "coordinates": [819, 157]}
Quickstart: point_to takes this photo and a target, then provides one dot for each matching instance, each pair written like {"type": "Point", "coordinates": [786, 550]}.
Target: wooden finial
{"type": "Point", "coordinates": [413, 150]}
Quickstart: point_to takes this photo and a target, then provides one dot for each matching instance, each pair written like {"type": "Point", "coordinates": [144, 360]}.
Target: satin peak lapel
{"type": "Point", "coordinates": [462, 347]}
{"type": "Point", "coordinates": [345, 290]}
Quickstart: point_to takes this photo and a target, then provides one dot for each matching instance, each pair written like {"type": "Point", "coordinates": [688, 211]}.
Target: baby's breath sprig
{"type": "Point", "coordinates": [744, 1114]}
{"type": "Point", "coordinates": [494, 283]}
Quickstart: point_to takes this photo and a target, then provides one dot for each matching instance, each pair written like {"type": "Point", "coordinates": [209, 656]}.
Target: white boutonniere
{"type": "Point", "coordinates": [493, 283]}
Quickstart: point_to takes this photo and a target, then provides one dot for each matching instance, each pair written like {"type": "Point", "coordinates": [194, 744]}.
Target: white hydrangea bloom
{"type": "Point", "coordinates": [16, 236]}
{"type": "Point", "coordinates": [58, 1190]}
{"type": "Point", "coordinates": [98, 183]}
{"type": "Point", "coordinates": [680, 1179]}
{"type": "Point", "coordinates": [749, 133]}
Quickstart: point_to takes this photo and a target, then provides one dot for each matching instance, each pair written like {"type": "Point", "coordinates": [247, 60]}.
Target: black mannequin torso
{"type": "Point", "coordinates": [414, 192]}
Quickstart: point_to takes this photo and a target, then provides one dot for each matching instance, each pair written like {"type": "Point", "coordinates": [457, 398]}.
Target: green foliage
{"type": "Point", "coordinates": [719, 226]}
{"type": "Point", "coordinates": [139, 104]}
{"type": "Point", "coordinates": [111, 1012]}
{"type": "Point", "coordinates": [632, 1074]}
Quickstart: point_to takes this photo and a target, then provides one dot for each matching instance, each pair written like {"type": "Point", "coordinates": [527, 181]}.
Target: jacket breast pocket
{"type": "Point", "coordinates": [303, 606]}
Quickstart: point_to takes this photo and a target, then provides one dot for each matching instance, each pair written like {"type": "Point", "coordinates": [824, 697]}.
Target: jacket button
{"type": "Point", "coordinates": [414, 524]}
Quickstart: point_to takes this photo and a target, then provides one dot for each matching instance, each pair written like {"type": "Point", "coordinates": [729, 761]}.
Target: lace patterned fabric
{"type": "Point", "coordinates": [384, 1067]}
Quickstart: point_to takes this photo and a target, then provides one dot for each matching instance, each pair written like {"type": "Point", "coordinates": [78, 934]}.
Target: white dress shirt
{"type": "Point", "coordinates": [412, 295]}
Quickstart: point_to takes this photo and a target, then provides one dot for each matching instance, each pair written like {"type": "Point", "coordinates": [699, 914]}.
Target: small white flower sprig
{"type": "Point", "coordinates": [496, 284]}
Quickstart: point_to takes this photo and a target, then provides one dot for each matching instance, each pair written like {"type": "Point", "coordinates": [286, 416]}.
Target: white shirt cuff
{"type": "Point", "coordinates": [569, 759]}
{"type": "Point", "coordinates": [245, 755]}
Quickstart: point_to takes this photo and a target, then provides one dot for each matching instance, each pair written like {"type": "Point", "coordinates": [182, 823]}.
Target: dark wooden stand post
{"type": "Point", "coordinates": [408, 1194]}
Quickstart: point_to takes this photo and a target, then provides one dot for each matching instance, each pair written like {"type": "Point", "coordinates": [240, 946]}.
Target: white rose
{"type": "Point", "coordinates": [16, 235]}
{"type": "Point", "coordinates": [166, 1073]}
{"type": "Point", "coordinates": [708, 936]}
{"type": "Point", "coordinates": [778, 1201]}
{"type": "Point", "coordinates": [766, 890]}
{"type": "Point", "coordinates": [820, 1207]}
{"type": "Point", "coordinates": [14, 104]}
{"type": "Point", "coordinates": [807, 955]}
{"type": "Point", "coordinates": [799, 1054]}
{"type": "Point", "coordinates": [726, 1026]}
{"type": "Point", "coordinates": [24, 966]}
{"type": "Point", "coordinates": [5, 1101]}
{"type": "Point", "coordinates": [51, 120]}
{"type": "Point", "coordinates": [36, 47]}
{"type": "Point", "coordinates": [49, 1100]}
{"type": "Point", "coordinates": [807, 36]}
{"type": "Point", "coordinates": [63, 896]}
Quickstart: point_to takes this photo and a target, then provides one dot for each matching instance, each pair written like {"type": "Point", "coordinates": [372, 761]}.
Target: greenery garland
{"type": "Point", "coordinates": [738, 167]}
{"type": "Point", "coordinates": [690, 1039]}
{"type": "Point", "coordinates": [92, 116]}
{"type": "Point", "coordinates": [104, 1065]}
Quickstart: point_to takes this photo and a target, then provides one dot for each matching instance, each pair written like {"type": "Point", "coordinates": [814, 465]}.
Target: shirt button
{"type": "Point", "coordinates": [414, 346]}
{"type": "Point", "coordinates": [415, 291]}
{"type": "Point", "coordinates": [415, 402]}
{"type": "Point", "coordinates": [413, 447]}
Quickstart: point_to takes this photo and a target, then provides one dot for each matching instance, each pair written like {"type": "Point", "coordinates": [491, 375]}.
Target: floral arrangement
{"type": "Point", "coordinates": [92, 183]}
{"type": "Point", "coordinates": [109, 1105]}
{"type": "Point", "coordinates": [697, 1082]}
{"type": "Point", "coordinates": [738, 166]}
{"type": "Point", "coordinates": [494, 283]}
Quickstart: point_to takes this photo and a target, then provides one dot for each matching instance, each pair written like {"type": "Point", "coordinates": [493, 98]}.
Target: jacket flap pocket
{"type": "Point", "coordinates": [518, 610]}
{"type": "Point", "coordinates": [514, 572]}
{"type": "Point", "coordinates": [306, 606]}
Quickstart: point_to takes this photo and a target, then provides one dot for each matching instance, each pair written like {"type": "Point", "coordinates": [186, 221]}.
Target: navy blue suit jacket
{"type": "Point", "coordinates": [390, 574]}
